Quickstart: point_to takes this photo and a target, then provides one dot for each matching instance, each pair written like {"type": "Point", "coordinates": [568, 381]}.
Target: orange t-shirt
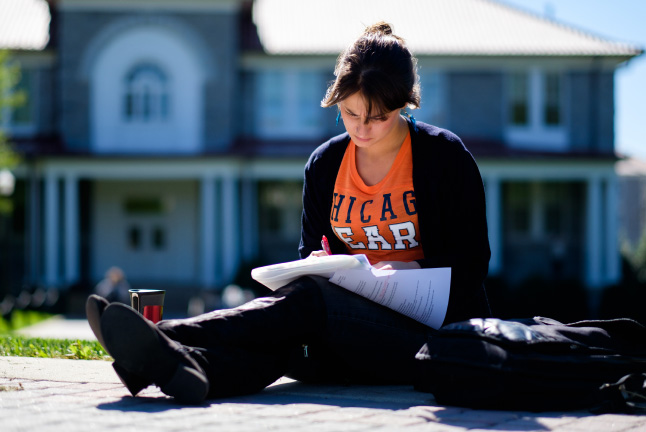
{"type": "Point", "coordinates": [380, 220]}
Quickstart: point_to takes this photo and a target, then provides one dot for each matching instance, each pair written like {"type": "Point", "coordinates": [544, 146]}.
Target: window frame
{"type": "Point", "coordinates": [537, 133]}
{"type": "Point", "coordinates": [136, 97]}
{"type": "Point", "coordinates": [280, 102]}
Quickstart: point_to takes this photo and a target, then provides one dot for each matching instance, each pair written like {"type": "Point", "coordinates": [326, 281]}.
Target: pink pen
{"type": "Point", "coordinates": [326, 245]}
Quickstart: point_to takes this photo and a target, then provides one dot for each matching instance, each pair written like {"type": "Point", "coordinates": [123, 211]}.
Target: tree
{"type": "Point", "coordinates": [638, 259]}
{"type": "Point", "coordinates": [10, 98]}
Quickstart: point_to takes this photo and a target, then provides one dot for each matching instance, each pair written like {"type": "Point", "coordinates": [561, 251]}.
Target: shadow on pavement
{"type": "Point", "coordinates": [399, 400]}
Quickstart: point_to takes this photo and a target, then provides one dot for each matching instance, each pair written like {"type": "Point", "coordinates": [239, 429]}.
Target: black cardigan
{"type": "Point", "coordinates": [450, 203]}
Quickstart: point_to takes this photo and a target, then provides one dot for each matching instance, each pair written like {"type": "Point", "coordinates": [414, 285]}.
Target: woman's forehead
{"type": "Point", "coordinates": [359, 105]}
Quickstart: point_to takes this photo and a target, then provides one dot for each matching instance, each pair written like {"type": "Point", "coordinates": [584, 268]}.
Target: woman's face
{"type": "Point", "coordinates": [370, 132]}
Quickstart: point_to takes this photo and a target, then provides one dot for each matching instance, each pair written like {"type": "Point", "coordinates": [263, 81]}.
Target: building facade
{"type": "Point", "coordinates": [169, 137]}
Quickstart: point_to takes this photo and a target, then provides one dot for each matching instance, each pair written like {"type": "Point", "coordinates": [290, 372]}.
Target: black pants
{"type": "Point", "coordinates": [310, 330]}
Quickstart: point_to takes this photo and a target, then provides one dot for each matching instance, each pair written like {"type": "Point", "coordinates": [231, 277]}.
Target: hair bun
{"type": "Point", "coordinates": [380, 27]}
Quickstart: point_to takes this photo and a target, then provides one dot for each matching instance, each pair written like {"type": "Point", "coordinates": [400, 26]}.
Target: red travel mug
{"type": "Point", "coordinates": [148, 302]}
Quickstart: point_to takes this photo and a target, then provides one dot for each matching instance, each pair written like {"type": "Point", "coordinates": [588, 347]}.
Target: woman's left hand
{"type": "Point", "coordinates": [397, 265]}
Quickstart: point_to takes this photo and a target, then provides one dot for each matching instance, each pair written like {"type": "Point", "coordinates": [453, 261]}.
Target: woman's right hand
{"type": "Point", "coordinates": [318, 253]}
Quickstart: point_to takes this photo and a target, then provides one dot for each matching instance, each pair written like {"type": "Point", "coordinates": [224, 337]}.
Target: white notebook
{"type": "Point", "coordinates": [277, 275]}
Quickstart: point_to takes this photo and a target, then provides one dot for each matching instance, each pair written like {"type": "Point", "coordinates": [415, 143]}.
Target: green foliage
{"type": "Point", "coordinates": [639, 259]}
{"type": "Point", "coordinates": [9, 98]}
{"type": "Point", "coordinates": [627, 299]}
{"type": "Point", "coordinates": [636, 258]}
{"type": "Point", "coordinates": [9, 79]}
{"type": "Point", "coordinates": [8, 157]}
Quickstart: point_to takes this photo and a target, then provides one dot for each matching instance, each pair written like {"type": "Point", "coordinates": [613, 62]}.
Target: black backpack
{"type": "Point", "coordinates": [536, 364]}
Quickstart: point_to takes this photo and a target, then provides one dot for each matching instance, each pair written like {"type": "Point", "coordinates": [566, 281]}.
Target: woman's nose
{"type": "Point", "coordinates": [362, 128]}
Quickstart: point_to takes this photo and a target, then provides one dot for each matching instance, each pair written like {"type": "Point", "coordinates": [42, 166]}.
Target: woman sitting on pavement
{"type": "Point", "coordinates": [388, 176]}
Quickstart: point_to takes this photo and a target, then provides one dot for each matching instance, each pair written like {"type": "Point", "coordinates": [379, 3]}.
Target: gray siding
{"type": "Point", "coordinates": [591, 111]}
{"type": "Point", "coordinates": [222, 92]}
{"type": "Point", "coordinates": [75, 31]}
{"type": "Point", "coordinates": [475, 104]}
{"type": "Point", "coordinates": [46, 102]}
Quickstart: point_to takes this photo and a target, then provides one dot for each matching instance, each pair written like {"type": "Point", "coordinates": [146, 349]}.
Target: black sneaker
{"type": "Point", "coordinates": [141, 349]}
{"type": "Point", "coordinates": [94, 307]}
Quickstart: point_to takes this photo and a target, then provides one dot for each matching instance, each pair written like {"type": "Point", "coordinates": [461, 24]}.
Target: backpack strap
{"type": "Point", "coordinates": [628, 395]}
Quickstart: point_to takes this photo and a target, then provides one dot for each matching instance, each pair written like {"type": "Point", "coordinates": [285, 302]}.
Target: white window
{"type": "Point", "coordinates": [535, 110]}
{"type": "Point", "coordinates": [433, 107]}
{"type": "Point", "coordinates": [146, 96]}
{"type": "Point", "coordinates": [289, 103]}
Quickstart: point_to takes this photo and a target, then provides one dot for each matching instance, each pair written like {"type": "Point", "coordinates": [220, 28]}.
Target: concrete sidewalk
{"type": "Point", "coordinates": [60, 327]}
{"type": "Point", "coordinates": [71, 395]}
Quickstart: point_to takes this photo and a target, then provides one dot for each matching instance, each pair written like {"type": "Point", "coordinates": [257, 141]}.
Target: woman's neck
{"type": "Point", "coordinates": [374, 163]}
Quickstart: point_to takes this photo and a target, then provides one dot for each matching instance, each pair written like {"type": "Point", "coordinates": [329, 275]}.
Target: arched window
{"type": "Point", "coordinates": [146, 94]}
{"type": "Point", "coordinates": [138, 81]}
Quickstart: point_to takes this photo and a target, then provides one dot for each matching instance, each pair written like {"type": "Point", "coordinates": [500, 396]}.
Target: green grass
{"type": "Point", "coordinates": [22, 318]}
{"type": "Point", "coordinates": [12, 344]}
{"type": "Point", "coordinates": [22, 346]}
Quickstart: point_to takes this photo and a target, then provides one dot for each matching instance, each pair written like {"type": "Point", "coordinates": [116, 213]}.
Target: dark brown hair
{"type": "Point", "coordinates": [380, 66]}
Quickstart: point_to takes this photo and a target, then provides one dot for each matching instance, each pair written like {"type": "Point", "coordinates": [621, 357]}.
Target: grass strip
{"type": "Point", "coordinates": [22, 346]}
{"type": "Point", "coordinates": [22, 318]}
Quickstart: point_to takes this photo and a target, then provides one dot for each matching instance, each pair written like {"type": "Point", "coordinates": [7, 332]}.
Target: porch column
{"type": "Point", "coordinates": [52, 258]}
{"type": "Point", "coordinates": [207, 232]}
{"type": "Point", "coordinates": [537, 212]}
{"type": "Point", "coordinates": [249, 218]}
{"type": "Point", "coordinates": [494, 223]}
{"type": "Point", "coordinates": [71, 218]}
{"type": "Point", "coordinates": [594, 229]}
{"type": "Point", "coordinates": [35, 238]}
{"type": "Point", "coordinates": [230, 242]}
{"type": "Point", "coordinates": [612, 258]}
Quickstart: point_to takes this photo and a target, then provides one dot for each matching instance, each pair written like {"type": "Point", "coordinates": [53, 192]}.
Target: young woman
{"type": "Point", "coordinates": [407, 194]}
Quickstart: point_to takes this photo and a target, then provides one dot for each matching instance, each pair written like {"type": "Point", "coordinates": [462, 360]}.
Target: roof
{"type": "Point", "coordinates": [431, 27]}
{"type": "Point", "coordinates": [24, 24]}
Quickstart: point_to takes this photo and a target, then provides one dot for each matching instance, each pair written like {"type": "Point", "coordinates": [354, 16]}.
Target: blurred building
{"type": "Point", "coordinates": [632, 199]}
{"type": "Point", "coordinates": [168, 137]}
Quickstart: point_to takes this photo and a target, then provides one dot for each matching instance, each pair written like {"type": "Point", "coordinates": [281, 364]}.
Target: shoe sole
{"type": "Point", "coordinates": [142, 350]}
{"type": "Point", "coordinates": [94, 307]}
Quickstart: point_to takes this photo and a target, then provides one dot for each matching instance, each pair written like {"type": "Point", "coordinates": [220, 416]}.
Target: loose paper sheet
{"type": "Point", "coordinates": [419, 294]}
